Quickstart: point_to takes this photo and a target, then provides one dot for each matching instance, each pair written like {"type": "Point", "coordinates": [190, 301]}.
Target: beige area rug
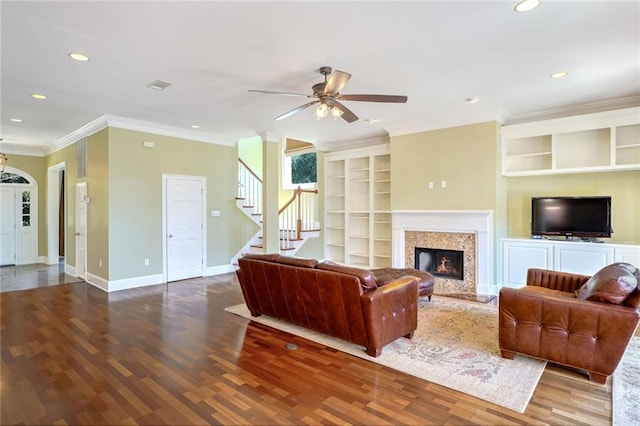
{"type": "Point", "coordinates": [626, 387]}
{"type": "Point", "coordinates": [455, 345]}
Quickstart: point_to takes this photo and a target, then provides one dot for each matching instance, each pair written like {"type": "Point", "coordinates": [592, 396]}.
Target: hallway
{"type": "Point", "coordinates": [37, 275]}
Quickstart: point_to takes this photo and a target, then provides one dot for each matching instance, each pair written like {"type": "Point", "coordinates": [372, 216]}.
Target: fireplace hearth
{"type": "Point", "coordinates": [439, 262]}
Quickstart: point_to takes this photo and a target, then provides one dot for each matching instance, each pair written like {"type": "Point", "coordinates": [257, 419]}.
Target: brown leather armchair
{"type": "Point", "coordinates": [574, 320]}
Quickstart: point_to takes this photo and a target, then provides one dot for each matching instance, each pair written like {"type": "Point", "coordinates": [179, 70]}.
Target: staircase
{"type": "Point", "coordinates": [297, 219]}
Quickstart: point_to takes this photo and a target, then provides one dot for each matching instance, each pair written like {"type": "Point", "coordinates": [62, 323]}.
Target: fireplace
{"type": "Point", "coordinates": [441, 263]}
{"type": "Point", "coordinates": [470, 231]}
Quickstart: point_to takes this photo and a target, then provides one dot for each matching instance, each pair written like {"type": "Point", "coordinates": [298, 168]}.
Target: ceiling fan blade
{"type": "Point", "coordinates": [347, 114]}
{"type": "Point", "coordinates": [279, 93]}
{"type": "Point", "coordinates": [374, 98]}
{"type": "Point", "coordinates": [295, 110]}
{"type": "Point", "coordinates": [336, 81]}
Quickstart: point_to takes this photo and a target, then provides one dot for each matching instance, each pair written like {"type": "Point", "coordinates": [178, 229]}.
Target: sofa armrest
{"type": "Point", "coordinates": [390, 311]}
{"type": "Point", "coordinates": [556, 280]}
{"type": "Point", "coordinates": [579, 333]}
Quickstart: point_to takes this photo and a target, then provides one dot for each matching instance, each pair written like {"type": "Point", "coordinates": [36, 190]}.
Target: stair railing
{"type": "Point", "coordinates": [249, 187]}
{"type": "Point", "coordinates": [297, 215]}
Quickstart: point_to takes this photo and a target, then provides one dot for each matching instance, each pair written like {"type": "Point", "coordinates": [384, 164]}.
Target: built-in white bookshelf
{"type": "Point", "coordinates": [357, 206]}
{"type": "Point", "coordinates": [605, 141]}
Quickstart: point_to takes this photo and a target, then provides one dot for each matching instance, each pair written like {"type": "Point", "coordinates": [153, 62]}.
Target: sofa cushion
{"type": "Point", "coordinates": [258, 256]}
{"type": "Point", "coordinates": [611, 284]}
{"type": "Point", "coordinates": [545, 290]}
{"type": "Point", "coordinates": [303, 262]}
{"type": "Point", "coordinates": [367, 280]}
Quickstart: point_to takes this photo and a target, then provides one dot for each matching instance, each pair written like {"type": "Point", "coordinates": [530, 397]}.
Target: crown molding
{"type": "Point", "coordinates": [609, 105]}
{"type": "Point", "coordinates": [332, 146]}
{"type": "Point", "coordinates": [165, 130]}
{"type": "Point", "coordinates": [88, 129]}
{"type": "Point", "coordinates": [11, 148]}
{"type": "Point", "coordinates": [118, 122]}
{"type": "Point", "coordinates": [444, 122]}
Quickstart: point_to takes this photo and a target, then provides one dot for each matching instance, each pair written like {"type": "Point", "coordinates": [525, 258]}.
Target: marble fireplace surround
{"type": "Point", "coordinates": [476, 222]}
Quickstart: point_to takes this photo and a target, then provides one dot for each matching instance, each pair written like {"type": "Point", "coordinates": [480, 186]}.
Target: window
{"type": "Point", "coordinates": [26, 208]}
{"type": "Point", "coordinates": [299, 165]}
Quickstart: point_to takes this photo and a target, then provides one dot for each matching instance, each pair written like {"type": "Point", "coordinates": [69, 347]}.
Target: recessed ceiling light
{"type": "Point", "coordinates": [195, 126]}
{"type": "Point", "coordinates": [472, 100]}
{"type": "Point", "coordinates": [38, 96]}
{"type": "Point", "coordinates": [79, 57]}
{"type": "Point", "coordinates": [372, 120]}
{"type": "Point", "coordinates": [159, 85]}
{"type": "Point", "coordinates": [526, 5]}
{"type": "Point", "coordinates": [559, 74]}
{"type": "Point", "coordinates": [16, 120]}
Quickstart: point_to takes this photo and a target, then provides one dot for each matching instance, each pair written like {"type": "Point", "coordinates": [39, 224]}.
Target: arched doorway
{"type": "Point", "coordinates": [18, 217]}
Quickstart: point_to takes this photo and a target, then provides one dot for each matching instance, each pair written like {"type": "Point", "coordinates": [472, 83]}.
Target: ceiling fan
{"type": "Point", "coordinates": [327, 95]}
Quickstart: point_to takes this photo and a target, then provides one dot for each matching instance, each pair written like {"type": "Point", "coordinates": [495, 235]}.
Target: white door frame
{"type": "Point", "coordinates": [25, 243]}
{"type": "Point", "coordinates": [203, 180]}
{"type": "Point", "coordinates": [81, 274]}
{"type": "Point", "coordinates": [53, 212]}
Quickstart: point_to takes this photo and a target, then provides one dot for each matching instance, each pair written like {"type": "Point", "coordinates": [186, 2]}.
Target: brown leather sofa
{"type": "Point", "coordinates": [574, 320]}
{"type": "Point", "coordinates": [341, 301]}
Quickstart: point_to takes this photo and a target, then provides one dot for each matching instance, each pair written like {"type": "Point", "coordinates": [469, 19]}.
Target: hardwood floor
{"type": "Point", "coordinates": [72, 354]}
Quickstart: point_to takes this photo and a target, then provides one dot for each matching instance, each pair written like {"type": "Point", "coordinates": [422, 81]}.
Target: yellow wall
{"type": "Point", "coordinates": [623, 187]}
{"type": "Point", "coordinates": [98, 208]}
{"type": "Point", "coordinates": [465, 157]}
{"type": "Point", "coordinates": [135, 199]}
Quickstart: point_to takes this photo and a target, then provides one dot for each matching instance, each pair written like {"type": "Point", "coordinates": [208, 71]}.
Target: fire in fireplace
{"type": "Point", "coordinates": [441, 263]}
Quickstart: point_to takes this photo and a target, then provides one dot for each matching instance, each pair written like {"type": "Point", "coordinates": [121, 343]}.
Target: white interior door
{"type": "Point", "coordinates": [185, 227]}
{"type": "Point", "coordinates": [7, 226]}
{"type": "Point", "coordinates": [81, 230]}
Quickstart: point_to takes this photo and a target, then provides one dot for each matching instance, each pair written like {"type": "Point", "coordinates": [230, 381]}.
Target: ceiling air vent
{"type": "Point", "coordinates": [159, 85]}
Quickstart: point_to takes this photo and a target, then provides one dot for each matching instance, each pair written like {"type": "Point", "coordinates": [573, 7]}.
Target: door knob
{"type": "Point", "coordinates": [170, 235]}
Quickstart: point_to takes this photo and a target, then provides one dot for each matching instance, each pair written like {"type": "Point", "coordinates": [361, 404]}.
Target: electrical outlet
{"type": "Point", "coordinates": [146, 262]}
{"type": "Point", "coordinates": [100, 263]}
{"type": "Point", "coordinates": [430, 185]}
{"type": "Point", "coordinates": [443, 184]}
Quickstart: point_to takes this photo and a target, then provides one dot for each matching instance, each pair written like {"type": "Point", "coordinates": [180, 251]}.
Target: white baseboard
{"type": "Point", "coordinates": [220, 269]}
{"type": "Point", "coordinates": [71, 270]}
{"type": "Point", "coordinates": [97, 281]}
{"type": "Point", "coordinates": [128, 283]}
{"type": "Point", "coordinates": [488, 289]}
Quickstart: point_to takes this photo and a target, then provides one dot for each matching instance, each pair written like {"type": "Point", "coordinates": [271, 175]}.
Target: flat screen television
{"type": "Point", "coordinates": [583, 217]}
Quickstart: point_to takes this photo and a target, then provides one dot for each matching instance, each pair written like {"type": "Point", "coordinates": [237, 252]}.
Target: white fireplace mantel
{"type": "Point", "coordinates": [479, 222]}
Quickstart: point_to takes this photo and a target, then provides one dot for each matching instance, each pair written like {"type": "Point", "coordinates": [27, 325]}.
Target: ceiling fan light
{"type": "Point", "coordinates": [336, 112]}
{"type": "Point", "coordinates": [322, 111]}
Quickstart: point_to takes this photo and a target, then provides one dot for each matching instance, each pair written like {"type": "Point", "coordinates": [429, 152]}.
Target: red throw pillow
{"type": "Point", "coordinates": [611, 284]}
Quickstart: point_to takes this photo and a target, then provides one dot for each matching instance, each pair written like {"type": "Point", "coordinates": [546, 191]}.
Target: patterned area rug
{"type": "Point", "coordinates": [455, 345]}
{"type": "Point", "coordinates": [626, 387]}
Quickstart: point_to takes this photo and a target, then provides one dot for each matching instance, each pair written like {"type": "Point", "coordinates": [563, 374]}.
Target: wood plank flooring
{"type": "Point", "coordinates": [72, 354]}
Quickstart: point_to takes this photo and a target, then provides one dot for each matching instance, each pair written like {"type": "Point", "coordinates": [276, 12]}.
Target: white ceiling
{"type": "Point", "coordinates": [438, 53]}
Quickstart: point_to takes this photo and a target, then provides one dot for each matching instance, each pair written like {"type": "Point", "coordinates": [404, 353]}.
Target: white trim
{"type": "Point", "coordinates": [220, 269]}
{"type": "Point", "coordinates": [135, 282]}
{"type": "Point", "coordinates": [115, 121]}
{"type": "Point", "coordinates": [203, 181]}
{"type": "Point", "coordinates": [20, 241]}
{"type": "Point", "coordinates": [53, 211]}
{"type": "Point", "coordinates": [70, 270]}
{"type": "Point", "coordinates": [97, 281]}
{"type": "Point", "coordinates": [88, 129]}
{"type": "Point", "coordinates": [86, 221]}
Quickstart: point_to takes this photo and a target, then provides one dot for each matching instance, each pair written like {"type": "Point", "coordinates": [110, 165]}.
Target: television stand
{"type": "Point", "coordinates": [520, 254]}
